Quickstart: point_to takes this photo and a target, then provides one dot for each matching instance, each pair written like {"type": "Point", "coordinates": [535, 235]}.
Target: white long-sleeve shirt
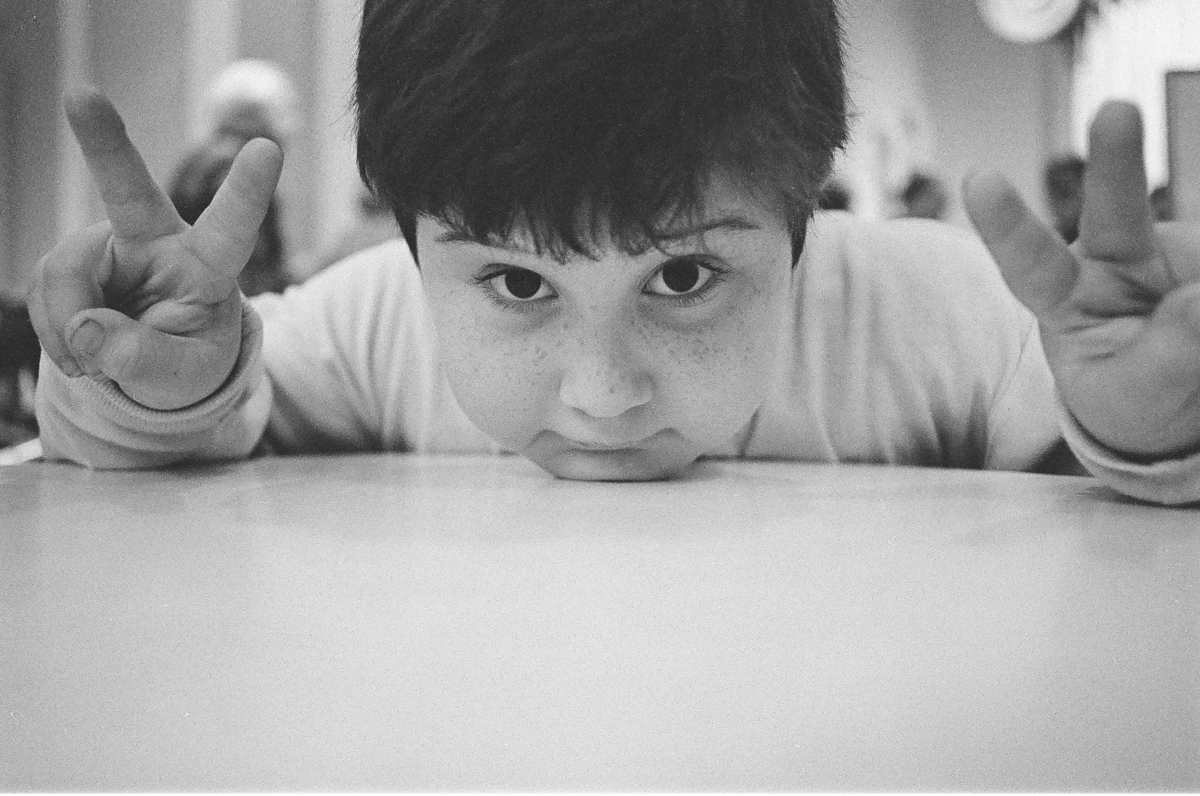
{"type": "Point", "coordinates": [906, 348]}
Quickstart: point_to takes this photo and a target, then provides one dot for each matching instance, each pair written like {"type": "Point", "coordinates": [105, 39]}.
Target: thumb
{"type": "Point", "coordinates": [158, 370]}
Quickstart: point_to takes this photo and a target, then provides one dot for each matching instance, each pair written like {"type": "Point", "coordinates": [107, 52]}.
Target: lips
{"type": "Point", "coordinates": [583, 457]}
{"type": "Point", "coordinates": [575, 443]}
{"type": "Point", "coordinates": [602, 446]}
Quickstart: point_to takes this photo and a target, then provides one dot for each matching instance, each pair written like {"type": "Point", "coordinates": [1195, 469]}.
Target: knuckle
{"type": "Point", "coordinates": [78, 253]}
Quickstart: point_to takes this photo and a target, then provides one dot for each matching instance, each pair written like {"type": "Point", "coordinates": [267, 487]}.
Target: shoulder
{"type": "Point", "coordinates": [387, 263]}
{"type": "Point", "coordinates": [898, 252]}
{"type": "Point", "coordinates": [369, 282]}
{"type": "Point", "coordinates": [919, 305]}
{"type": "Point", "coordinates": [922, 270]}
{"type": "Point", "coordinates": [369, 307]}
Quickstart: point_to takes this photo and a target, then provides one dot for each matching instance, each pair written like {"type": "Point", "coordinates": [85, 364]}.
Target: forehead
{"type": "Point", "coordinates": [727, 207]}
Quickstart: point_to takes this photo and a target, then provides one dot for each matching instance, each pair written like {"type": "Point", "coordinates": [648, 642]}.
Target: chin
{"type": "Point", "coordinates": [622, 465]}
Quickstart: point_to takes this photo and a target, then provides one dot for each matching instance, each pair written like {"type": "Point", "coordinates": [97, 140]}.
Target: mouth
{"type": "Point", "coordinates": [601, 447]}
{"type": "Point", "coordinates": [609, 446]}
{"type": "Point", "coordinates": [648, 458]}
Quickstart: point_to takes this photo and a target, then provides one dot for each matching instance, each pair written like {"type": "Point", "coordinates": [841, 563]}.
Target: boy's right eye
{"type": "Point", "coordinates": [518, 284]}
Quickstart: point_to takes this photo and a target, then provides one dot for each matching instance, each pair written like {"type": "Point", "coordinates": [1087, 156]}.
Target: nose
{"type": "Point", "coordinates": [604, 378]}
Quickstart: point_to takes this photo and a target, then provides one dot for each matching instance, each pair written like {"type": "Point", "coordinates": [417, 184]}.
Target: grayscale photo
{"type": "Point", "coordinates": [600, 395]}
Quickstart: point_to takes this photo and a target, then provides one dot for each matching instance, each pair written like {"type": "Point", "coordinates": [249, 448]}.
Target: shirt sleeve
{"type": "Point", "coordinates": [1172, 482]}
{"type": "Point", "coordinates": [348, 355]}
{"type": "Point", "coordinates": [91, 422]}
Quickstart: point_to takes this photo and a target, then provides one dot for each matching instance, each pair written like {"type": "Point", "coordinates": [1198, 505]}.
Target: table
{"type": "Point", "coordinates": [443, 623]}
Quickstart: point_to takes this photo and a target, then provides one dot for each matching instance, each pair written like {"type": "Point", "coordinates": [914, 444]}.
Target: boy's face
{"type": "Point", "coordinates": [625, 367]}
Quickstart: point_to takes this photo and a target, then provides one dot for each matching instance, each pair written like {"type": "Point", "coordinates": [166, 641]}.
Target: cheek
{"type": "Point", "coordinates": [719, 377]}
{"type": "Point", "coordinates": [499, 380]}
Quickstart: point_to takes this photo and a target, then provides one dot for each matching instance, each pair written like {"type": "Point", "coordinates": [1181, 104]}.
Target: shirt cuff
{"type": "Point", "coordinates": [91, 421]}
{"type": "Point", "coordinates": [1172, 482]}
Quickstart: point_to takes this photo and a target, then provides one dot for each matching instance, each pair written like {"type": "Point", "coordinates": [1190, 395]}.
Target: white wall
{"type": "Point", "coordinates": [891, 129]}
{"type": "Point", "coordinates": [936, 91]}
{"type": "Point", "coordinates": [1127, 53]}
{"type": "Point", "coordinates": [992, 100]}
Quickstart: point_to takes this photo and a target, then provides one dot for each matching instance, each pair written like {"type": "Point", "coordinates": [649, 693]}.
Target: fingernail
{"type": "Point", "coordinates": [87, 339]}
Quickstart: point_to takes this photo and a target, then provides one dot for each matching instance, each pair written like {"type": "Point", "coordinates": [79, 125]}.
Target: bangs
{"type": "Point", "coordinates": [596, 123]}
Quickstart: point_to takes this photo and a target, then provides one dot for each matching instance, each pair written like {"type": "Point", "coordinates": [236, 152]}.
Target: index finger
{"type": "Point", "coordinates": [137, 207]}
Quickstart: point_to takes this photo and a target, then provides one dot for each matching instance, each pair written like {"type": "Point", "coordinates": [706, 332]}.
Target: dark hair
{"type": "Point", "coordinates": [577, 119]}
{"type": "Point", "coordinates": [192, 188]}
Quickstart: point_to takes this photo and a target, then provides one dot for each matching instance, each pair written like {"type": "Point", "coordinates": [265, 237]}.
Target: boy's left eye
{"type": "Point", "coordinates": [682, 276]}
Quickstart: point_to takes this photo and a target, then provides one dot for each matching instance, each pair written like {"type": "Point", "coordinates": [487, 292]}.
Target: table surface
{"type": "Point", "coordinates": [442, 623]}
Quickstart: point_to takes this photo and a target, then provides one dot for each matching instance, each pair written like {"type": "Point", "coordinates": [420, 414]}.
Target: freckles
{"type": "Point", "coordinates": [699, 362]}
{"type": "Point", "coordinates": [507, 373]}
{"type": "Point", "coordinates": [726, 366]}
{"type": "Point", "coordinates": [699, 351]}
{"type": "Point", "coordinates": [729, 343]}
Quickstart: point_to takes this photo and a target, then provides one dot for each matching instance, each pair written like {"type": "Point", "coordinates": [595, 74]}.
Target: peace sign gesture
{"type": "Point", "coordinates": [143, 298]}
{"type": "Point", "coordinates": [1119, 309]}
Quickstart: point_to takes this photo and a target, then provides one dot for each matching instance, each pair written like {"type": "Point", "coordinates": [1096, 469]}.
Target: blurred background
{"type": "Point", "coordinates": [939, 87]}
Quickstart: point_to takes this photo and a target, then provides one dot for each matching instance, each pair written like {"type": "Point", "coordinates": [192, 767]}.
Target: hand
{"type": "Point", "coordinates": [143, 298]}
{"type": "Point", "coordinates": [1119, 309]}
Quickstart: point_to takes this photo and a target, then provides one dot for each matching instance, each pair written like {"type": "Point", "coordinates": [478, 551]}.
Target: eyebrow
{"type": "Point", "coordinates": [734, 223]}
{"type": "Point", "coordinates": [462, 236]}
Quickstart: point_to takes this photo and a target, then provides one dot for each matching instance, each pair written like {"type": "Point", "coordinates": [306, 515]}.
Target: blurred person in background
{"type": "Point", "coordinates": [373, 224]}
{"type": "Point", "coordinates": [923, 196]}
{"type": "Point", "coordinates": [192, 189]}
{"type": "Point", "coordinates": [251, 98]}
{"type": "Point", "coordinates": [1162, 202]}
{"type": "Point", "coordinates": [1063, 182]}
{"type": "Point", "coordinates": [834, 196]}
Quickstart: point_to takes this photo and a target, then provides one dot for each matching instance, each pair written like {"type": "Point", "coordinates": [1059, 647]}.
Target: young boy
{"type": "Point", "coordinates": [611, 266]}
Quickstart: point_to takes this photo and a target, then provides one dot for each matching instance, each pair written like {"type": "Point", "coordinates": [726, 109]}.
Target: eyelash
{"type": "Point", "coordinates": [485, 281]}
{"type": "Point", "coordinates": [716, 276]}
